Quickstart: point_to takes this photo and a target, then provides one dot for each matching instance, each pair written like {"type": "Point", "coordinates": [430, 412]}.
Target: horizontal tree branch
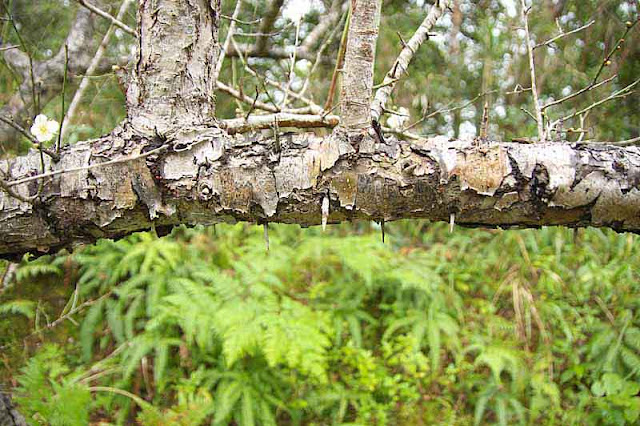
{"type": "Point", "coordinates": [204, 176]}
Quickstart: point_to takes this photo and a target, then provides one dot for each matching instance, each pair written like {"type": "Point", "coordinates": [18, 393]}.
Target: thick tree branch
{"type": "Point", "coordinates": [172, 163]}
{"type": "Point", "coordinates": [215, 177]}
{"type": "Point", "coordinates": [326, 24]}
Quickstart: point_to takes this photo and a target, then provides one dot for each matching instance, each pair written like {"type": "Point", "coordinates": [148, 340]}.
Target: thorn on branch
{"type": "Point", "coordinates": [325, 212]}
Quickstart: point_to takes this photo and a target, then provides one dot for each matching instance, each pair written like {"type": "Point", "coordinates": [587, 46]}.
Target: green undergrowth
{"type": "Point", "coordinates": [206, 327]}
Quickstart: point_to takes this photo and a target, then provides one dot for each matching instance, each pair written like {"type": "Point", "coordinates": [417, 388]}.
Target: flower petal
{"type": "Point", "coordinates": [40, 118]}
{"type": "Point", "coordinates": [53, 126]}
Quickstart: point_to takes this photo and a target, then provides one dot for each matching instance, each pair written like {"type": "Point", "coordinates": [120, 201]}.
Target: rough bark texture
{"type": "Point", "coordinates": [217, 178]}
{"type": "Point", "coordinates": [171, 87]}
{"type": "Point", "coordinates": [359, 60]}
{"type": "Point", "coordinates": [9, 416]}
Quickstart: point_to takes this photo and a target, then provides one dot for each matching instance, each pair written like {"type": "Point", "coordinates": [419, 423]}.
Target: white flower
{"type": "Point", "coordinates": [43, 128]}
{"type": "Point", "coordinates": [398, 119]}
{"type": "Point", "coordinates": [295, 10]}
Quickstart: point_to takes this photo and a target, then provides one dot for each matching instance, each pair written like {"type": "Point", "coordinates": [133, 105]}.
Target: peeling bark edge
{"type": "Point", "coordinates": [209, 177]}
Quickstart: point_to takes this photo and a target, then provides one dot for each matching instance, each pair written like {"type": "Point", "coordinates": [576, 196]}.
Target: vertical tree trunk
{"type": "Point", "coordinates": [357, 84]}
{"type": "Point", "coordinates": [177, 54]}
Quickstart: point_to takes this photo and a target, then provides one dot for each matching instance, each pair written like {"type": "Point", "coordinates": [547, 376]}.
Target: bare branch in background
{"type": "Point", "coordinates": [271, 52]}
{"type": "Point", "coordinates": [266, 25]}
{"type": "Point", "coordinates": [401, 64]}
{"type": "Point", "coordinates": [625, 91]}
{"type": "Point", "coordinates": [327, 23]}
{"type": "Point", "coordinates": [628, 142]}
{"type": "Point", "coordinates": [539, 118]}
{"type": "Point", "coordinates": [316, 109]}
{"type": "Point", "coordinates": [49, 73]}
{"type": "Point", "coordinates": [339, 63]}
{"type": "Point", "coordinates": [319, 56]}
{"type": "Point", "coordinates": [117, 21]}
{"type": "Point", "coordinates": [261, 105]}
{"type": "Point", "coordinates": [75, 102]}
{"type": "Point", "coordinates": [562, 35]}
{"type": "Point", "coordinates": [227, 41]}
{"type": "Point", "coordinates": [588, 88]}
{"type": "Point", "coordinates": [607, 60]}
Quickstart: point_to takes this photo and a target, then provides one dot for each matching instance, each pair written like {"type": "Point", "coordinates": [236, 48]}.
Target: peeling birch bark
{"type": "Point", "coordinates": [357, 83]}
{"type": "Point", "coordinates": [222, 178]}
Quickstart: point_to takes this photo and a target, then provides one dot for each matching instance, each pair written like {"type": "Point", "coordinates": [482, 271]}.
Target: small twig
{"type": "Point", "coordinates": [253, 105]}
{"type": "Point", "coordinates": [293, 65]}
{"type": "Point", "coordinates": [64, 85]}
{"type": "Point", "coordinates": [628, 142]}
{"type": "Point", "coordinates": [386, 83]}
{"type": "Point", "coordinates": [34, 95]}
{"type": "Point", "coordinates": [339, 62]}
{"type": "Point", "coordinates": [227, 41]}
{"type": "Point", "coordinates": [6, 188]}
{"type": "Point", "coordinates": [53, 173]}
{"type": "Point", "coordinates": [240, 21]}
{"type": "Point", "coordinates": [529, 114]}
{"type": "Point", "coordinates": [446, 110]}
{"type": "Point", "coordinates": [325, 44]}
{"type": "Point", "coordinates": [518, 89]}
{"type": "Point", "coordinates": [563, 34]}
{"type": "Point", "coordinates": [625, 91]}
{"type": "Point", "coordinates": [54, 156]}
{"type": "Point", "coordinates": [114, 21]}
{"type": "Point", "coordinates": [271, 34]}
{"type": "Point", "coordinates": [583, 118]}
{"type": "Point", "coordinates": [532, 70]}
{"type": "Point", "coordinates": [607, 60]}
{"type": "Point", "coordinates": [484, 126]}
{"type": "Point", "coordinates": [588, 88]}
{"type": "Point", "coordinates": [3, 48]}
{"type": "Point", "coordinates": [254, 73]}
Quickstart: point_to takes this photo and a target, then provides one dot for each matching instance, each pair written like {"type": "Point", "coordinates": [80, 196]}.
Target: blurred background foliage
{"type": "Point", "coordinates": [475, 327]}
{"type": "Point", "coordinates": [205, 325]}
